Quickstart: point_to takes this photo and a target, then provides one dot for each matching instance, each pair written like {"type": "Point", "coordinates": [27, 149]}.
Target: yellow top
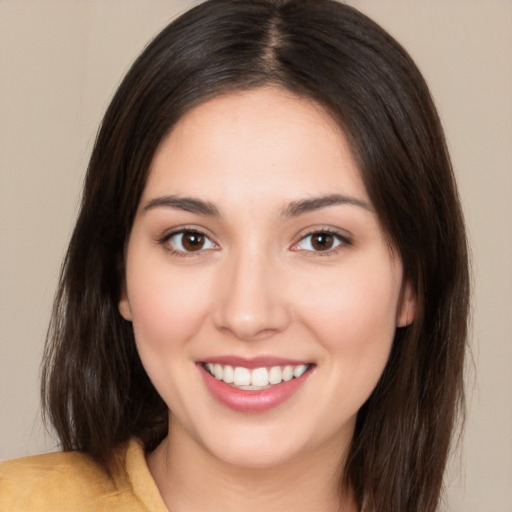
{"type": "Point", "coordinates": [73, 482]}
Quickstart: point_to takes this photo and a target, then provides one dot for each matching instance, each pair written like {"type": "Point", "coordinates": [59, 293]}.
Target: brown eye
{"type": "Point", "coordinates": [190, 241]}
{"type": "Point", "coordinates": [321, 241]}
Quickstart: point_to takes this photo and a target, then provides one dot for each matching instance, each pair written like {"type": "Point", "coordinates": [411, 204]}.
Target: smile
{"type": "Point", "coordinates": [256, 378]}
{"type": "Point", "coordinates": [254, 386]}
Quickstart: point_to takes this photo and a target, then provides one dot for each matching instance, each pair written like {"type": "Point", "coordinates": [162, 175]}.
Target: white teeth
{"type": "Point", "coordinates": [258, 378]}
{"type": "Point", "coordinates": [288, 373]}
{"type": "Point", "coordinates": [275, 375]}
{"type": "Point", "coordinates": [217, 371]}
{"type": "Point", "coordinates": [229, 374]}
{"type": "Point", "coordinates": [299, 370]}
{"type": "Point", "coordinates": [242, 376]}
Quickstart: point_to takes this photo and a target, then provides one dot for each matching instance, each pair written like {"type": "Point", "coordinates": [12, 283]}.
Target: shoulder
{"type": "Point", "coordinates": [61, 482]}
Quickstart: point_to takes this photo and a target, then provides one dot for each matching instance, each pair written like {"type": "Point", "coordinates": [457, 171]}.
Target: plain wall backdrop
{"type": "Point", "coordinates": [60, 62]}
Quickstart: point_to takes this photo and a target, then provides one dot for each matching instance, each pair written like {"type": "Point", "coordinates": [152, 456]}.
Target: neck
{"type": "Point", "coordinates": [192, 480]}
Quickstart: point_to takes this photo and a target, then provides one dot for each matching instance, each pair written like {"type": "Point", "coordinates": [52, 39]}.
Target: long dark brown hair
{"type": "Point", "coordinates": [95, 390]}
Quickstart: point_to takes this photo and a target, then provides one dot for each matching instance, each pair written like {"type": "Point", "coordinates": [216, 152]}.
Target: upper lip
{"type": "Point", "coordinates": [254, 362]}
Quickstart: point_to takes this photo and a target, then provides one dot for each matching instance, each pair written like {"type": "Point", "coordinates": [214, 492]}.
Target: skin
{"type": "Point", "coordinates": [259, 287]}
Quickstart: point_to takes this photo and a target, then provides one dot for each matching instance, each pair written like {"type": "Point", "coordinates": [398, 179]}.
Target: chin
{"type": "Point", "coordinates": [252, 448]}
{"type": "Point", "coordinates": [253, 457]}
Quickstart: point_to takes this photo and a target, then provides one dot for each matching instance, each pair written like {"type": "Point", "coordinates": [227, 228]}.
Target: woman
{"type": "Point", "coordinates": [264, 301]}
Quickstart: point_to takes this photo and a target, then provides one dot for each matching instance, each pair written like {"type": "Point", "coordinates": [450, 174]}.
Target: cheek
{"type": "Point", "coordinates": [168, 306]}
{"type": "Point", "coordinates": [168, 309]}
{"type": "Point", "coordinates": [353, 313]}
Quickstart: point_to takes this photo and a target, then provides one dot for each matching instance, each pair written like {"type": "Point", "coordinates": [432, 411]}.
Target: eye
{"type": "Point", "coordinates": [320, 241]}
{"type": "Point", "coordinates": [187, 241]}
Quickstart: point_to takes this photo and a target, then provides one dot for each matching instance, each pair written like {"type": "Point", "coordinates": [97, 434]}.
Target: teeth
{"type": "Point", "coordinates": [217, 371]}
{"type": "Point", "coordinates": [288, 373]}
{"type": "Point", "coordinates": [258, 378]}
{"type": "Point", "coordinates": [275, 375]}
{"type": "Point", "coordinates": [242, 376]}
{"type": "Point", "coordinates": [229, 374]}
{"type": "Point", "coordinates": [299, 370]}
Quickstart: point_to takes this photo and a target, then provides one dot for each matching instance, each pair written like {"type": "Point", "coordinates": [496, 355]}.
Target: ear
{"type": "Point", "coordinates": [124, 305]}
{"type": "Point", "coordinates": [406, 311]}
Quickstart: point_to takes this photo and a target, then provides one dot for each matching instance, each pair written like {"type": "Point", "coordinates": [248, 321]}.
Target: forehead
{"type": "Point", "coordinates": [265, 141]}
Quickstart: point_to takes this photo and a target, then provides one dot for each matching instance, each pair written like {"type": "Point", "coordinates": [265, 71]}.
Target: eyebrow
{"type": "Point", "coordinates": [293, 209]}
{"type": "Point", "coordinates": [303, 206]}
{"type": "Point", "coordinates": [187, 204]}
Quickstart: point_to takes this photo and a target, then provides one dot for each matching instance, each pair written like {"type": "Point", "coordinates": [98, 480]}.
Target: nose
{"type": "Point", "coordinates": [251, 302]}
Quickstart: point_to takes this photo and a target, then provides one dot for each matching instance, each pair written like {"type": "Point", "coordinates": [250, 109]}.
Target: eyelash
{"type": "Point", "coordinates": [164, 241]}
{"type": "Point", "coordinates": [342, 240]}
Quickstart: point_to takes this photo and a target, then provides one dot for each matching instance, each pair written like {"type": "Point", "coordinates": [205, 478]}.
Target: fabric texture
{"type": "Point", "coordinates": [73, 482]}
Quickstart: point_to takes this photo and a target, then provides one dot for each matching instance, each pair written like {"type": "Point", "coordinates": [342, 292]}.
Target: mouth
{"type": "Point", "coordinates": [255, 379]}
{"type": "Point", "coordinates": [254, 386]}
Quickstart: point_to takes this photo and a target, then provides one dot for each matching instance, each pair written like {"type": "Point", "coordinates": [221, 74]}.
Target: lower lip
{"type": "Point", "coordinates": [242, 400]}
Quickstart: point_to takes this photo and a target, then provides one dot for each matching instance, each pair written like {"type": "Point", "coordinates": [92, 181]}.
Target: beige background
{"type": "Point", "coordinates": [60, 61]}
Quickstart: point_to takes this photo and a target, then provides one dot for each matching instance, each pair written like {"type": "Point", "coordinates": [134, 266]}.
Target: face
{"type": "Point", "coordinates": [263, 294]}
